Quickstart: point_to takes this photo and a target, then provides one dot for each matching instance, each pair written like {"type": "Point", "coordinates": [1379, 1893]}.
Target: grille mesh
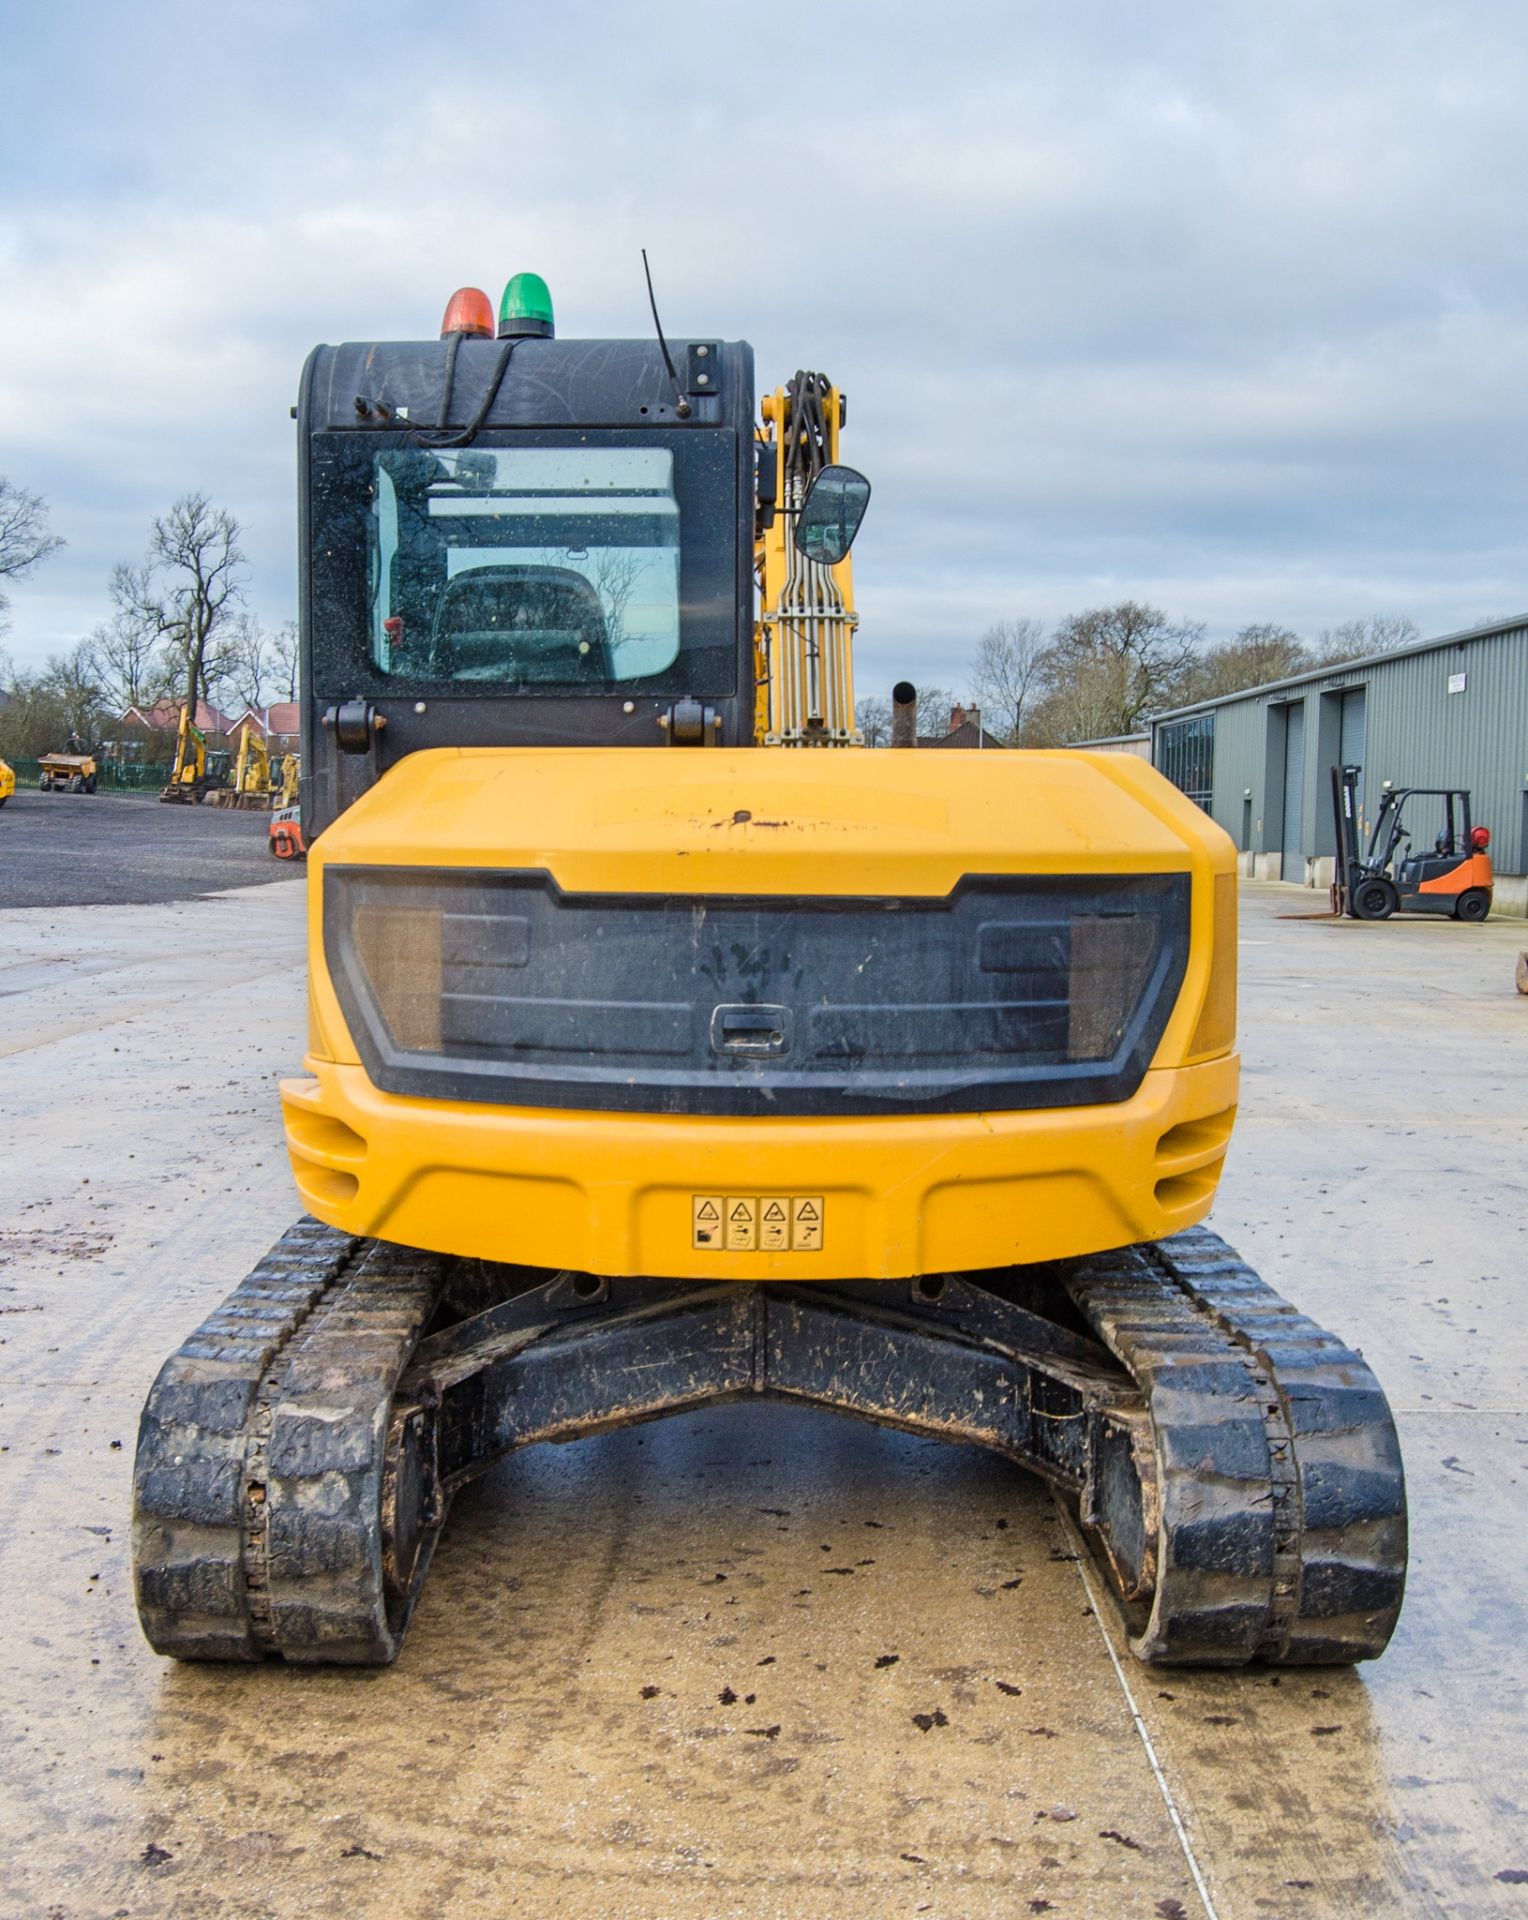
{"type": "Point", "coordinates": [1010, 993]}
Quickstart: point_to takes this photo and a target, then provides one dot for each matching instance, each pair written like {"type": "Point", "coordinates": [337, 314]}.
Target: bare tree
{"type": "Point", "coordinates": [613, 572]}
{"type": "Point", "coordinates": [74, 682]}
{"type": "Point", "coordinates": [247, 660]}
{"type": "Point", "coordinates": [219, 666]}
{"type": "Point", "coordinates": [872, 716]}
{"type": "Point", "coordinates": [32, 720]}
{"type": "Point", "coordinates": [1008, 673]}
{"type": "Point", "coordinates": [1256, 655]}
{"type": "Point", "coordinates": [286, 659]}
{"type": "Point", "coordinates": [934, 708]}
{"type": "Point", "coordinates": [1084, 699]}
{"type": "Point", "coordinates": [1375, 633]}
{"type": "Point", "coordinates": [130, 659]}
{"type": "Point", "coordinates": [188, 587]}
{"type": "Point", "coordinates": [1119, 663]}
{"type": "Point", "coordinates": [24, 535]}
{"type": "Point", "coordinates": [47, 705]}
{"type": "Point", "coordinates": [616, 572]}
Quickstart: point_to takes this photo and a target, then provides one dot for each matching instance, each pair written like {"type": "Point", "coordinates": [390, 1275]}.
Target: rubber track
{"type": "Point", "coordinates": [256, 1510]}
{"type": "Point", "coordinates": [313, 1546]}
{"type": "Point", "coordinates": [1282, 1535]}
{"type": "Point", "coordinates": [188, 1474]}
{"type": "Point", "coordinates": [258, 1480]}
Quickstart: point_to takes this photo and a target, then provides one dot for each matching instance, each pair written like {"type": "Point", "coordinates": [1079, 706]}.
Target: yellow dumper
{"type": "Point", "coordinates": [67, 773]}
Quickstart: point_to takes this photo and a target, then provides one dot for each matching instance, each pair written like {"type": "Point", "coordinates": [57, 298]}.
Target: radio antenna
{"type": "Point", "coordinates": [681, 406]}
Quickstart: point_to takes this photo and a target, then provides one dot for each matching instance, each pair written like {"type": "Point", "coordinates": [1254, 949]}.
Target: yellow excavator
{"type": "Point", "coordinates": [197, 769]}
{"type": "Point", "coordinates": [668, 1046]}
{"type": "Point", "coordinates": [252, 775]}
{"type": "Point", "coordinates": [259, 782]}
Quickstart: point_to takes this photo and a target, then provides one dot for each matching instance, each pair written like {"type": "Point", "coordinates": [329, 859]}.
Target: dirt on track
{"type": "Point", "coordinates": [89, 850]}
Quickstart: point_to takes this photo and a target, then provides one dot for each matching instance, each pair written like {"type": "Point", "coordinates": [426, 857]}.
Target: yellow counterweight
{"type": "Point", "coordinates": [797, 1195]}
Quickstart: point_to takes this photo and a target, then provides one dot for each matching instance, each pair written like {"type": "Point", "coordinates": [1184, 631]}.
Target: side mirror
{"type": "Point", "coordinates": [831, 513]}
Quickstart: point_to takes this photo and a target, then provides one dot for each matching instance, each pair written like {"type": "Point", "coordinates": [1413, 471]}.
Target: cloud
{"type": "Point", "coordinates": [1220, 310]}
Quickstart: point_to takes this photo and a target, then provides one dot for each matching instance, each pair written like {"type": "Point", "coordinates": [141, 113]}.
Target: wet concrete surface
{"type": "Point", "coordinates": [756, 1661]}
{"type": "Point", "coordinates": [97, 849]}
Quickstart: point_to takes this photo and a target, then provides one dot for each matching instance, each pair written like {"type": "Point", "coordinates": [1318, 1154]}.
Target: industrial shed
{"type": "Point", "coordinates": [1450, 712]}
{"type": "Point", "coordinates": [1138, 744]}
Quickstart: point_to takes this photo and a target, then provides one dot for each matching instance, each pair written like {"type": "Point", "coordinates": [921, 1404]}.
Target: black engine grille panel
{"type": "Point", "coordinates": [1009, 993]}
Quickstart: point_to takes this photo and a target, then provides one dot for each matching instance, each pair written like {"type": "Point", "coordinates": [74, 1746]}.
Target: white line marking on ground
{"type": "Point", "coordinates": [1173, 1814]}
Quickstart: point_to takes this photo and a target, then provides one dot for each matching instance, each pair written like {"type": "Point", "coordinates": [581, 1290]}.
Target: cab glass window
{"type": "Point", "coordinates": [558, 563]}
{"type": "Point", "coordinates": [545, 565]}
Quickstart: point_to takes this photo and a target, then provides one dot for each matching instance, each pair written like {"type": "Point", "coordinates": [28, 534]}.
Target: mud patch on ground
{"type": "Point", "coordinates": [37, 1244]}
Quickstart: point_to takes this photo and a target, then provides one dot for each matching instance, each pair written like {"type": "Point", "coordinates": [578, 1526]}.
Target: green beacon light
{"type": "Point", "coordinates": [526, 308]}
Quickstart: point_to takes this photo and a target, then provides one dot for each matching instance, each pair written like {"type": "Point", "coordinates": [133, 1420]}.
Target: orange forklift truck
{"type": "Point", "coordinates": [286, 840]}
{"type": "Point", "coordinates": [1453, 877]}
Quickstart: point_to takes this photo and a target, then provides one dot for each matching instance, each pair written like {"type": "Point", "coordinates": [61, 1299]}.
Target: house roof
{"type": "Point", "coordinates": [284, 717]}
{"type": "Point", "coordinates": [970, 734]}
{"type": "Point", "coordinates": [164, 717]}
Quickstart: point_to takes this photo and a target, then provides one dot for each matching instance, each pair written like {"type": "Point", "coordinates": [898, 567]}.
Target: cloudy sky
{"type": "Point", "coordinates": [1223, 307]}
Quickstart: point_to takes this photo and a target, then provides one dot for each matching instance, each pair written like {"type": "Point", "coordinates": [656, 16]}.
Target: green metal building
{"type": "Point", "coordinates": [1451, 712]}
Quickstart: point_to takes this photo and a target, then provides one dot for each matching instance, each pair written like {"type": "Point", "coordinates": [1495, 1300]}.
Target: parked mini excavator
{"type": "Point", "coordinates": [757, 1063]}
{"type": "Point", "coordinates": [254, 778]}
{"type": "Point", "coordinates": [196, 770]}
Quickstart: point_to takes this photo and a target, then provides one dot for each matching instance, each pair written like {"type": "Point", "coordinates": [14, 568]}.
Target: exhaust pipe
{"type": "Point", "coordinates": [904, 714]}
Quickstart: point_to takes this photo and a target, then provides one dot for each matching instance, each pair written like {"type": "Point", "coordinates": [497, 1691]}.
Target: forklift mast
{"type": "Point", "coordinates": [1345, 815]}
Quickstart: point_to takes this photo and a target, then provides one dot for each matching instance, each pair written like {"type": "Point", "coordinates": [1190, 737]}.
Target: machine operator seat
{"type": "Point", "coordinates": [526, 623]}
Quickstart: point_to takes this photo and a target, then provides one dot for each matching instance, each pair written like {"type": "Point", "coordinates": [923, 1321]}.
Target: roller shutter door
{"type": "Point", "coordinates": [1351, 733]}
{"type": "Point", "coordinates": [1294, 787]}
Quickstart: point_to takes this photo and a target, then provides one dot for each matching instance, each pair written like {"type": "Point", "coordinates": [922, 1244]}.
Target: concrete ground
{"type": "Point", "coordinates": [757, 1662]}
{"type": "Point", "coordinates": [99, 849]}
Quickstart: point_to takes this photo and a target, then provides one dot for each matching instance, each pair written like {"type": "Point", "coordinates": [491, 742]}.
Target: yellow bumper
{"type": "Point", "coordinates": [621, 1193]}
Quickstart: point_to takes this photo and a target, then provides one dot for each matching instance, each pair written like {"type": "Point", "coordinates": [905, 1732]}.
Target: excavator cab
{"type": "Point", "coordinates": [521, 541]}
{"type": "Point", "coordinates": [667, 1047]}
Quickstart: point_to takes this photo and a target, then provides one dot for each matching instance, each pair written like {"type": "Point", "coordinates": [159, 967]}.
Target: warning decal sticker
{"type": "Point", "coordinates": [706, 1220]}
{"type": "Point", "coordinates": [806, 1226]}
{"type": "Point", "coordinates": [757, 1223]}
{"type": "Point", "coordinates": [742, 1225]}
